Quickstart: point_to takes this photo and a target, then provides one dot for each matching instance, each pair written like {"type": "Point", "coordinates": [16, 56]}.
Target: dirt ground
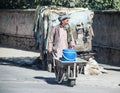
{"type": "Point", "coordinates": [109, 79]}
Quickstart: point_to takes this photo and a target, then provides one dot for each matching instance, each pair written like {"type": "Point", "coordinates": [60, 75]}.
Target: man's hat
{"type": "Point", "coordinates": [63, 16]}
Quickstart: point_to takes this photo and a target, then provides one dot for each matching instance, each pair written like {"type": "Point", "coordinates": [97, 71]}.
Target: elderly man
{"type": "Point", "coordinates": [58, 39]}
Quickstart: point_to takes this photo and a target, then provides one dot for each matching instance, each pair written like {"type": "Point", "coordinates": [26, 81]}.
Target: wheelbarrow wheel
{"type": "Point", "coordinates": [71, 82]}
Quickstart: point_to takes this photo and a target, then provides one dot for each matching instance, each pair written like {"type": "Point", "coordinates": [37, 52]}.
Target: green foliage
{"type": "Point", "coordinates": [18, 4]}
{"type": "Point", "coordinates": [117, 4]}
{"type": "Point", "coordinates": [91, 4]}
{"type": "Point", "coordinates": [101, 4]}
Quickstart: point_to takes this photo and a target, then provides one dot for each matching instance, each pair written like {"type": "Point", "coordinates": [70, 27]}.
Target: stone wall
{"type": "Point", "coordinates": [16, 31]}
{"type": "Point", "coordinates": [16, 28]}
{"type": "Point", "coordinates": [106, 43]}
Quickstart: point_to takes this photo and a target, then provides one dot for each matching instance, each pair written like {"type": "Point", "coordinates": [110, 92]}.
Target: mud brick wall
{"type": "Point", "coordinates": [107, 56]}
{"type": "Point", "coordinates": [16, 28]}
{"type": "Point", "coordinates": [27, 43]}
{"type": "Point", "coordinates": [106, 42]}
{"type": "Point", "coordinates": [16, 31]}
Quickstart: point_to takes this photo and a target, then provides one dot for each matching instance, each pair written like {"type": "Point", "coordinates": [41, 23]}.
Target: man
{"type": "Point", "coordinates": [58, 39]}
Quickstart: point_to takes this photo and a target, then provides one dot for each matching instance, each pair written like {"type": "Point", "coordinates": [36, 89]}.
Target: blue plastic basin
{"type": "Point", "coordinates": [69, 55]}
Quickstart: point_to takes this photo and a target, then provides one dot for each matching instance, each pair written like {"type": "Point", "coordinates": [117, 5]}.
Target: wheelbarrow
{"type": "Point", "coordinates": [68, 70]}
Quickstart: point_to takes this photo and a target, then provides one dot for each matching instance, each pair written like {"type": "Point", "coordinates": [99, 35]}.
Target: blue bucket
{"type": "Point", "coordinates": [69, 55]}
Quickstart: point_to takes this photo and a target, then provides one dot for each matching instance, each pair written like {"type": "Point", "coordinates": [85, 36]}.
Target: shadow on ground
{"type": "Point", "coordinates": [27, 62]}
{"type": "Point", "coordinates": [51, 80]}
{"type": "Point", "coordinates": [113, 69]}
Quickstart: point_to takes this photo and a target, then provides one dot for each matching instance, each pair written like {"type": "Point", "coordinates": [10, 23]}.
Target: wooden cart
{"type": "Point", "coordinates": [68, 70]}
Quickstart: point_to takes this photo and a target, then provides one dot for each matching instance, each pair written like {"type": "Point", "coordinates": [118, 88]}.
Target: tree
{"type": "Point", "coordinates": [18, 4]}
{"type": "Point", "coordinates": [91, 4]}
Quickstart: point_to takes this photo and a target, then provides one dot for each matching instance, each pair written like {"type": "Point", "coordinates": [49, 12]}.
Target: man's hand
{"type": "Point", "coordinates": [71, 45]}
{"type": "Point", "coordinates": [50, 50]}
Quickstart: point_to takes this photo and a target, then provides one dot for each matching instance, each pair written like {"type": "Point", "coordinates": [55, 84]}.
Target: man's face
{"type": "Point", "coordinates": [64, 22]}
